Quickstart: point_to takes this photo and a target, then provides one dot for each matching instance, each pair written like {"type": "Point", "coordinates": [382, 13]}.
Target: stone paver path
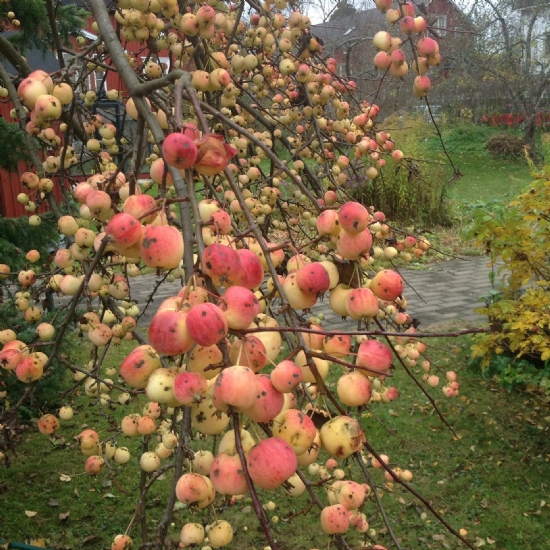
{"type": "Point", "coordinates": [448, 290]}
{"type": "Point", "coordinates": [444, 292]}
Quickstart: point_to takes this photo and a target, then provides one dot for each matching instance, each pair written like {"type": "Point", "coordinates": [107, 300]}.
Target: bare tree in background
{"type": "Point", "coordinates": [513, 51]}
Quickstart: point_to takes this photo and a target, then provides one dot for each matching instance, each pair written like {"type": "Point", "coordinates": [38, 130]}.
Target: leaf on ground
{"type": "Point", "coordinates": [76, 492]}
{"type": "Point", "coordinates": [106, 483]}
{"type": "Point", "coordinates": [64, 516]}
{"type": "Point", "coordinates": [479, 542]}
{"type": "Point", "coordinates": [30, 514]}
{"type": "Point", "coordinates": [64, 477]}
{"type": "Point", "coordinates": [40, 543]}
{"type": "Point", "coordinates": [108, 495]}
{"type": "Point", "coordinates": [490, 541]}
{"type": "Point", "coordinates": [53, 502]}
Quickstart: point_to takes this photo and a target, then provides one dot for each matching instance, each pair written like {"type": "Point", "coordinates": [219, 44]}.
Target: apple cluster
{"type": "Point", "coordinates": [391, 56]}
{"type": "Point", "coordinates": [231, 350]}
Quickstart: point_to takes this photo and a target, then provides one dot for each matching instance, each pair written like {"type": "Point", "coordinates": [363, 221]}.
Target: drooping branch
{"type": "Point", "coordinates": [359, 459]}
{"type": "Point", "coordinates": [131, 81]}
{"type": "Point", "coordinates": [74, 302]}
{"type": "Point", "coordinates": [411, 375]}
{"type": "Point", "coordinates": [413, 491]}
{"type": "Point", "coordinates": [182, 452]}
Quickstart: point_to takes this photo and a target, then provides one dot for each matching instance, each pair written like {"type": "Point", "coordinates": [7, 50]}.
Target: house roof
{"type": "Point", "coordinates": [36, 58]}
{"type": "Point", "coordinates": [364, 24]}
{"type": "Point", "coordinates": [347, 30]}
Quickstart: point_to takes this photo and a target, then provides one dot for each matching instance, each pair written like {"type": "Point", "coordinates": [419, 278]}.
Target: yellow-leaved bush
{"type": "Point", "coordinates": [517, 239]}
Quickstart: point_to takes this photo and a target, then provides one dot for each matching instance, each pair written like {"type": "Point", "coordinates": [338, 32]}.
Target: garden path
{"type": "Point", "coordinates": [443, 292]}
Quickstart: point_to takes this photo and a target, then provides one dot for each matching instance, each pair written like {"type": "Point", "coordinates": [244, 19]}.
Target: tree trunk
{"type": "Point", "coordinates": [529, 136]}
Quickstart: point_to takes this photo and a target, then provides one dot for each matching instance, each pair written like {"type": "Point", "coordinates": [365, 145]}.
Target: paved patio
{"type": "Point", "coordinates": [443, 292]}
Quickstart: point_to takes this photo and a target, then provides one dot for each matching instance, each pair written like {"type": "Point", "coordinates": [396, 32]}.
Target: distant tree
{"type": "Point", "coordinates": [343, 9]}
{"type": "Point", "coordinates": [513, 52]}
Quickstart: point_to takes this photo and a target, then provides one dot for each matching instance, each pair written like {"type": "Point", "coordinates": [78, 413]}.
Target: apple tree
{"type": "Point", "coordinates": [248, 137]}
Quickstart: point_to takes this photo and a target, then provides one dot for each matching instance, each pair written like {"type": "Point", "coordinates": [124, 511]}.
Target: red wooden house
{"type": "Point", "coordinates": [10, 186]}
{"type": "Point", "coordinates": [349, 39]}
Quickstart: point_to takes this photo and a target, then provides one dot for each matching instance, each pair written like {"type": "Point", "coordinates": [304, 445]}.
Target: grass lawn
{"type": "Point", "coordinates": [491, 481]}
{"type": "Point", "coordinates": [485, 178]}
{"type": "Point", "coordinates": [486, 183]}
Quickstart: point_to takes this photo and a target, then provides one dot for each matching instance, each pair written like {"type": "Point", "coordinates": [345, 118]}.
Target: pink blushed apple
{"type": "Point", "coordinates": [271, 462]}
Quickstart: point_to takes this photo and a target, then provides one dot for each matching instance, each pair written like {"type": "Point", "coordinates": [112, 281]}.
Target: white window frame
{"type": "Point", "coordinates": [441, 25]}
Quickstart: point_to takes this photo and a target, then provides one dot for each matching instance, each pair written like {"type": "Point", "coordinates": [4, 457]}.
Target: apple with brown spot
{"type": "Point", "coordinates": [227, 475]}
{"type": "Point", "coordinates": [269, 401]}
{"type": "Point", "coordinates": [169, 334]}
{"type": "Point", "coordinates": [161, 246]}
{"type": "Point", "coordinates": [235, 387]}
{"type": "Point", "coordinates": [296, 428]}
{"type": "Point", "coordinates": [206, 324]}
{"type": "Point", "coordinates": [249, 352]}
{"type": "Point", "coordinates": [374, 355]}
{"type": "Point", "coordinates": [239, 306]}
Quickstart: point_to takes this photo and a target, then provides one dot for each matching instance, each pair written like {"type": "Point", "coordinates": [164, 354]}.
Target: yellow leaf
{"type": "Point", "coordinates": [30, 514]}
{"type": "Point", "coordinates": [40, 543]}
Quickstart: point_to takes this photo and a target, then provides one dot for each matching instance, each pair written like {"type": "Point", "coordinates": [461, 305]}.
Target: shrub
{"type": "Point", "coordinates": [519, 314]}
{"type": "Point", "coordinates": [415, 195]}
{"type": "Point", "coordinates": [505, 146]}
{"type": "Point", "coordinates": [464, 139]}
{"type": "Point", "coordinates": [46, 396]}
{"type": "Point", "coordinates": [14, 147]}
{"type": "Point", "coordinates": [513, 373]}
{"type": "Point", "coordinates": [16, 236]}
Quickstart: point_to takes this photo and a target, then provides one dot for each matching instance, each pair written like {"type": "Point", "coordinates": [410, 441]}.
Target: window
{"type": "Point", "coordinates": [341, 68]}
{"type": "Point", "coordinates": [440, 25]}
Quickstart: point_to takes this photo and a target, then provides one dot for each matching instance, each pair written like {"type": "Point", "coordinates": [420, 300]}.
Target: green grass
{"type": "Point", "coordinates": [490, 481]}
{"type": "Point", "coordinates": [483, 177]}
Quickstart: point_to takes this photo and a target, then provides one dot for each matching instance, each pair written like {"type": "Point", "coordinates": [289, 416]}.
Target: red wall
{"type": "Point", "coordinates": [10, 185]}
